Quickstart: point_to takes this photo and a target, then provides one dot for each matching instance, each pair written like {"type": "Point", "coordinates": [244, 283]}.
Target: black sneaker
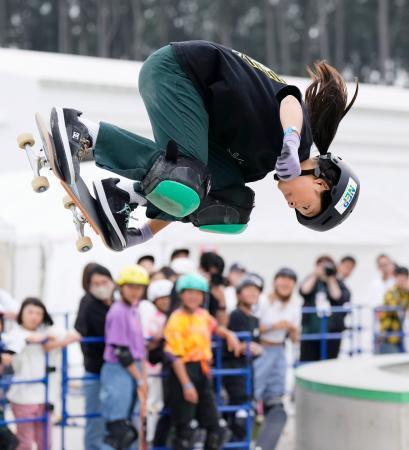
{"type": "Point", "coordinates": [115, 209]}
{"type": "Point", "coordinates": [72, 141]}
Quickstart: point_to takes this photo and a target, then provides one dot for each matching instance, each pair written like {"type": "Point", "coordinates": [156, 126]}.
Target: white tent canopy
{"type": "Point", "coordinates": [373, 138]}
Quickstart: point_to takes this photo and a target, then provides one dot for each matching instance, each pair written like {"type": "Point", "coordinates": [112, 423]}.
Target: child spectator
{"type": "Point", "coordinates": [30, 340]}
{"type": "Point", "coordinates": [8, 440]}
{"type": "Point", "coordinates": [241, 319]}
{"type": "Point", "coordinates": [392, 321]}
{"type": "Point", "coordinates": [188, 344]}
{"type": "Point", "coordinates": [123, 372]}
{"type": "Point", "coordinates": [279, 318]}
{"type": "Point", "coordinates": [159, 294]}
{"type": "Point", "coordinates": [90, 322]}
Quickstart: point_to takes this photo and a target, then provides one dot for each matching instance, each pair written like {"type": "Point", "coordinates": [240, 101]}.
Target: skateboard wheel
{"type": "Point", "coordinates": [40, 184]}
{"type": "Point", "coordinates": [84, 244]}
{"type": "Point", "coordinates": [68, 202]}
{"type": "Point", "coordinates": [24, 139]}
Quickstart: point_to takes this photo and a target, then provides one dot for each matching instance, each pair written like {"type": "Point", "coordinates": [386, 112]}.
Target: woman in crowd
{"type": "Point", "coordinates": [99, 286]}
{"type": "Point", "coordinates": [123, 373]}
{"type": "Point", "coordinates": [279, 320]}
{"type": "Point", "coordinates": [30, 340]}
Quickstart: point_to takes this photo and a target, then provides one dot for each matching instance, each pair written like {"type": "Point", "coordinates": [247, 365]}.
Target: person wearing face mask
{"type": "Point", "coordinates": [279, 319]}
{"type": "Point", "coordinates": [90, 322]}
{"type": "Point", "coordinates": [124, 372]}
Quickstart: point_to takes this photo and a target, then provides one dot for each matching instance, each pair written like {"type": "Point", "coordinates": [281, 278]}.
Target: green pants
{"type": "Point", "coordinates": [176, 111]}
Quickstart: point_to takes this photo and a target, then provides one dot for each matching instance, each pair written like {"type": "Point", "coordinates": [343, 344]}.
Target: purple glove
{"type": "Point", "coordinates": [288, 164]}
{"type": "Point", "coordinates": [136, 236]}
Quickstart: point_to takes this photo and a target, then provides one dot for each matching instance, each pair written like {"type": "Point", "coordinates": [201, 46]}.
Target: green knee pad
{"type": "Point", "coordinates": [176, 184]}
{"type": "Point", "coordinates": [225, 211]}
{"type": "Point", "coordinates": [174, 198]}
{"type": "Point", "coordinates": [224, 228]}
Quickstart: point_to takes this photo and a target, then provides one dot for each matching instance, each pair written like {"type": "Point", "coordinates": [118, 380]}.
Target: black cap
{"type": "Point", "coordinates": [237, 267]}
{"type": "Point", "coordinates": [286, 272]}
{"type": "Point", "coordinates": [150, 258]}
{"type": "Point", "coordinates": [180, 252]}
{"type": "Point", "coordinates": [251, 279]}
{"type": "Point", "coordinates": [401, 270]}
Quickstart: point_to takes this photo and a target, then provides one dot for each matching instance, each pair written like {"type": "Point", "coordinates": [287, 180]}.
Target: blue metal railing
{"type": "Point", "coordinates": [218, 372]}
{"type": "Point", "coordinates": [353, 334]}
{"type": "Point", "coordinates": [45, 419]}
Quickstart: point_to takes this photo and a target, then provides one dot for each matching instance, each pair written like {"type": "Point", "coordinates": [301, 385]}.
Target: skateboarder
{"type": "Point", "coordinates": [220, 119]}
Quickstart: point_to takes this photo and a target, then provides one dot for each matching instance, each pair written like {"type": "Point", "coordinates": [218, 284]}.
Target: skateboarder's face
{"type": "Point", "coordinates": [132, 293]}
{"type": "Point", "coordinates": [191, 299]}
{"type": "Point", "coordinates": [304, 193]}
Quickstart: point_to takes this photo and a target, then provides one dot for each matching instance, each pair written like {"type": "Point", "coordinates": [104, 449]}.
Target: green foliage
{"type": "Point", "coordinates": [286, 34]}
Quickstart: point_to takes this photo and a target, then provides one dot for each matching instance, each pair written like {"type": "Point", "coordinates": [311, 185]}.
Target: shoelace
{"type": "Point", "coordinates": [85, 148]}
{"type": "Point", "coordinates": [126, 211]}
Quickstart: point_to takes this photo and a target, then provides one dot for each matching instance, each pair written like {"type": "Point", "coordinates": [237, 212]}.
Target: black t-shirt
{"type": "Point", "coordinates": [311, 323]}
{"type": "Point", "coordinates": [240, 321]}
{"type": "Point", "coordinates": [90, 322]}
{"type": "Point", "coordinates": [242, 98]}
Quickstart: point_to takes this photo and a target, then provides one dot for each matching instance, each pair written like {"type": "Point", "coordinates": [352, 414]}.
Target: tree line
{"type": "Point", "coordinates": [364, 38]}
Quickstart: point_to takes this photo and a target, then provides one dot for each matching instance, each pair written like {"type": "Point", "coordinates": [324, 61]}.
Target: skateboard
{"type": "Point", "coordinates": [273, 425]}
{"type": "Point", "coordinates": [143, 445]}
{"type": "Point", "coordinates": [79, 201]}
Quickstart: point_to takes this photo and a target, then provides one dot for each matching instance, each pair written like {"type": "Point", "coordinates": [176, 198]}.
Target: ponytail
{"type": "Point", "coordinates": [326, 100]}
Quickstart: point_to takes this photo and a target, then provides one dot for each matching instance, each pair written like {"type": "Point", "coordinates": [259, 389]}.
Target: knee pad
{"type": "Point", "coordinates": [8, 440]}
{"type": "Point", "coordinates": [121, 434]}
{"type": "Point", "coordinates": [183, 438]}
{"type": "Point", "coordinates": [176, 184]}
{"type": "Point", "coordinates": [225, 211]}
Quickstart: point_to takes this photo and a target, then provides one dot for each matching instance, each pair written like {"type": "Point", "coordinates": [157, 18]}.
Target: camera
{"type": "Point", "coordinates": [330, 270]}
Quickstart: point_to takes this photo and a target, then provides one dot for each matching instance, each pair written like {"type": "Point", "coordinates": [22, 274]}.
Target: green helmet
{"type": "Point", "coordinates": [192, 281]}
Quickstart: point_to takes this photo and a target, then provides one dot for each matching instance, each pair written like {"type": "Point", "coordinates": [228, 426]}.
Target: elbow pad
{"type": "Point", "coordinates": [124, 356]}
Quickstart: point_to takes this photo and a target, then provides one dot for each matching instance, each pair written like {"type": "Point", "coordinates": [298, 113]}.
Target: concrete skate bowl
{"type": "Point", "coordinates": [354, 404]}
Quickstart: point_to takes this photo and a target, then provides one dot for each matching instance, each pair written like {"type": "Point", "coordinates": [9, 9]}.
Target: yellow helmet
{"type": "Point", "coordinates": [134, 274]}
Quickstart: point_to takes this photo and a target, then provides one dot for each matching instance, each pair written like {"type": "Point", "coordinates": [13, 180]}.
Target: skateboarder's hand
{"type": "Point", "coordinates": [288, 163]}
{"type": "Point", "coordinates": [190, 394]}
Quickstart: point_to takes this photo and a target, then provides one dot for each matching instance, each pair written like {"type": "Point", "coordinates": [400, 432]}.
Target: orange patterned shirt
{"type": "Point", "coordinates": [189, 336]}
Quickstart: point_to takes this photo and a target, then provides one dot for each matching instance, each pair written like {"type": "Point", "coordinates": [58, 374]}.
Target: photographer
{"type": "Point", "coordinates": [323, 290]}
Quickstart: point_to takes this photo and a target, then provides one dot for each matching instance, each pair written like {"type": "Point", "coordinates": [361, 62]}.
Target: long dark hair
{"type": "Point", "coordinates": [47, 320]}
{"type": "Point", "coordinates": [326, 100]}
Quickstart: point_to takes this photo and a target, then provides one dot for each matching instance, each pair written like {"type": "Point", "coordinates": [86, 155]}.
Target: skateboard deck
{"type": "Point", "coordinates": [82, 204]}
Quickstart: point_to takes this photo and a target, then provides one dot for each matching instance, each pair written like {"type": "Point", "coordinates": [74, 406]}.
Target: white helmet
{"type": "Point", "coordinates": [159, 288]}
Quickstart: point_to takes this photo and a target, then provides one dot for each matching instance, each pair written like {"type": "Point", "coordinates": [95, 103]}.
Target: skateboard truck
{"type": "Point", "coordinates": [37, 161]}
{"type": "Point", "coordinates": [84, 243]}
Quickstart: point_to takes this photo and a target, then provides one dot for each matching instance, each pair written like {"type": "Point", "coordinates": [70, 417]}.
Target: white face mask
{"type": "Point", "coordinates": [102, 292]}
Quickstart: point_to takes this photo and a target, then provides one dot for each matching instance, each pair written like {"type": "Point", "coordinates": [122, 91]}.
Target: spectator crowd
{"type": "Point", "coordinates": [146, 338]}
